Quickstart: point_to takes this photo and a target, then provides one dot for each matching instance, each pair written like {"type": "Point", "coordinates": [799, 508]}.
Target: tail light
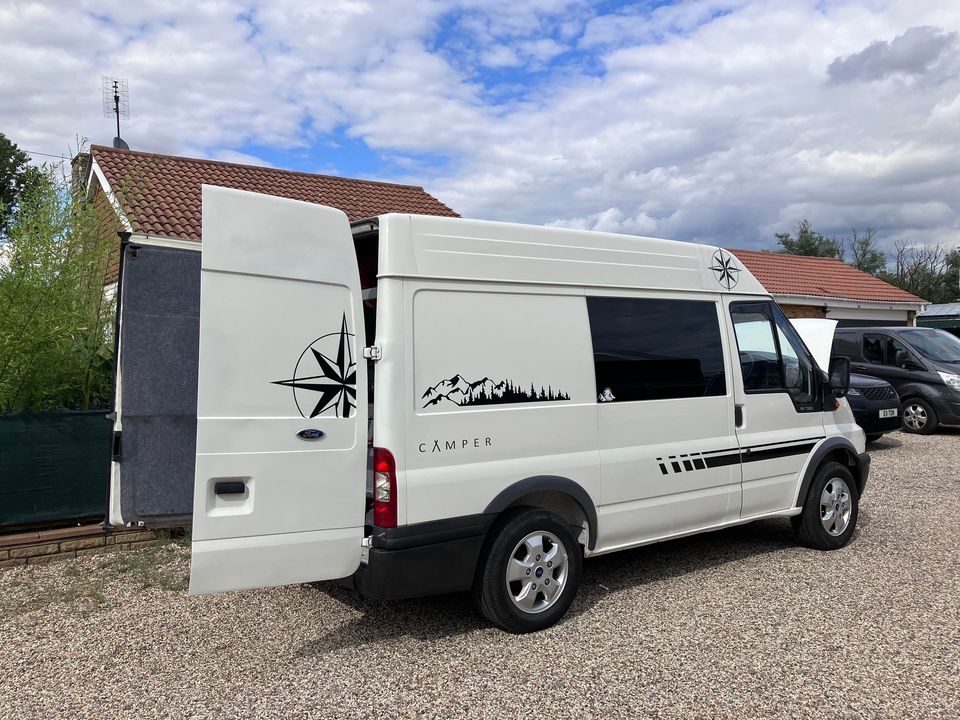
{"type": "Point", "coordinates": [384, 488]}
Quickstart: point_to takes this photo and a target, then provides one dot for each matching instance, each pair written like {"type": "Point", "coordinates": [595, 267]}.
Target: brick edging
{"type": "Point", "coordinates": [38, 548]}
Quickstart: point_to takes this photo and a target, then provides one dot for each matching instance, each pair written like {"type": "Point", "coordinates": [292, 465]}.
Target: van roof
{"type": "Point", "coordinates": [483, 250]}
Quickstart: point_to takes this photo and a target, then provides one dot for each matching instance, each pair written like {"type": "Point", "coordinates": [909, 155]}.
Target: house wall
{"type": "Point", "coordinates": [803, 311]}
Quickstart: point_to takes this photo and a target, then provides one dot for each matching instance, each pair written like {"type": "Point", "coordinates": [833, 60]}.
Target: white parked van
{"type": "Point", "coordinates": [425, 405]}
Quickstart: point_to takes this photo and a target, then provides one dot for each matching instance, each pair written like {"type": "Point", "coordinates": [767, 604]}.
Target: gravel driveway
{"type": "Point", "coordinates": [739, 623]}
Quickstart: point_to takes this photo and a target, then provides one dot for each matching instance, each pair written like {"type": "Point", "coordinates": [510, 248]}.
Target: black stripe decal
{"type": "Point", "coordinates": [771, 453]}
{"type": "Point", "coordinates": [732, 456]}
{"type": "Point", "coordinates": [721, 460]}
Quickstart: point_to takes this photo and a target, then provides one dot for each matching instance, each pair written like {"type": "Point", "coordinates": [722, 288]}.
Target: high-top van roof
{"type": "Point", "coordinates": [481, 250]}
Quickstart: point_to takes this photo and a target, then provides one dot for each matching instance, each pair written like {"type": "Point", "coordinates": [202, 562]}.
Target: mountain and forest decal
{"type": "Point", "coordinates": [460, 391]}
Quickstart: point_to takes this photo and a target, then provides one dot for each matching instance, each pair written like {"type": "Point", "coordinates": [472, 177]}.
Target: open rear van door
{"type": "Point", "coordinates": [282, 395]}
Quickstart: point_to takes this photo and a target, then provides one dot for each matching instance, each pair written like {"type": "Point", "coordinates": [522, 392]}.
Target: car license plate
{"type": "Point", "coordinates": [892, 412]}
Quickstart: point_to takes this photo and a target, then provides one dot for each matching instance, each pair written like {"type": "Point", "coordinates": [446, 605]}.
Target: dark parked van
{"type": "Point", "coordinates": [922, 364]}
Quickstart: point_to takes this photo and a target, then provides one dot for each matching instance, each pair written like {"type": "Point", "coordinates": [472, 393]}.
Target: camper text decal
{"type": "Point", "coordinates": [439, 446]}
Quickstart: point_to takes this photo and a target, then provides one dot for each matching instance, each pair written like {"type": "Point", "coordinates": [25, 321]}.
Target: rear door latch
{"type": "Point", "coordinates": [373, 353]}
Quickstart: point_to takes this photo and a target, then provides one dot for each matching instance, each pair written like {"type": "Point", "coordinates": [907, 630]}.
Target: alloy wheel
{"type": "Point", "coordinates": [537, 572]}
{"type": "Point", "coordinates": [915, 416]}
{"type": "Point", "coordinates": [835, 506]}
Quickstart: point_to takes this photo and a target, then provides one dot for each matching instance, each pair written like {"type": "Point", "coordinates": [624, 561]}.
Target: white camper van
{"type": "Point", "coordinates": [426, 405]}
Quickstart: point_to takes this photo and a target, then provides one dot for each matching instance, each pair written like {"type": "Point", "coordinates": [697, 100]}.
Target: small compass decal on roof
{"type": "Point", "coordinates": [317, 372]}
{"type": "Point", "coordinates": [725, 269]}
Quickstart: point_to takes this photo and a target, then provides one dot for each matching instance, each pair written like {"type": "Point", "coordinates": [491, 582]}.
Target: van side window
{"type": "Point", "coordinates": [883, 349]}
{"type": "Point", "coordinates": [655, 349]}
{"type": "Point", "coordinates": [759, 356]}
{"type": "Point", "coordinates": [772, 356]}
{"type": "Point", "coordinates": [873, 348]}
{"type": "Point", "coordinates": [844, 345]}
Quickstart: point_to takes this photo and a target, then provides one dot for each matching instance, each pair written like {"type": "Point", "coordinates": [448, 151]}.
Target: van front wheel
{"type": "Point", "coordinates": [830, 511]}
{"type": "Point", "coordinates": [529, 574]}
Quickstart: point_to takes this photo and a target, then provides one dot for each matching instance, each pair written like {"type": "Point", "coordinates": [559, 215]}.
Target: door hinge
{"type": "Point", "coordinates": [373, 353]}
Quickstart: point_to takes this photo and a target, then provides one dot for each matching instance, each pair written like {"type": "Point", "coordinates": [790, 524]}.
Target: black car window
{"type": "Point", "coordinates": [772, 355]}
{"type": "Point", "coordinates": [757, 342]}
{"type": "Point", "coordinates": [655, 349]}
{"type": "Point", "coordinates": [873, 348]}
{"type": "Point", "coordinates": [893, 347]}
{"type": "Point", "coordinates": [936, 345]}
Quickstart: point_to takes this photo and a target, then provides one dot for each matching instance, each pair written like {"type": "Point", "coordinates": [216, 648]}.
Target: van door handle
{"type": "Point", "coordinates": [858, 368]}
{"type": "Point", "coordinates": [234, 487]}
{"type": "Point", "coordinates": [738, 415]}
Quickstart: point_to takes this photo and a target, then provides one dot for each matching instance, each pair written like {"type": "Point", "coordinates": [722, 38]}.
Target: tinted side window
{"type": "Point", "coordinates": [797, 364]}
{"type": "Point", "coordinates": [845, 345]}
{"type": "Point", "coordinates": [873, 348]}
{"type": "Point", "coordinates": [759, 358]}
{"type": "Point", "coordinates": [653, 349]}
{"type": "Point", "coordinates": [893, 347]}
{"type": "Point", "coordinates": [772, 355]}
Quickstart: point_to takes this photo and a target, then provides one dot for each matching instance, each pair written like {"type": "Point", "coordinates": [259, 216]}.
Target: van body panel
{"type": "Point", "coordinates": [281, 410]}
{"type": "Point", "coordinates": [497, 369]}
{"type": "Point", "coordinates": [501, 390]}
{"type": "Point", "coordinates": [776, 436]}
{"type": "Point", "coordinates": [424, 246]}
{"type": "Point", "coordinates": [654, 478]}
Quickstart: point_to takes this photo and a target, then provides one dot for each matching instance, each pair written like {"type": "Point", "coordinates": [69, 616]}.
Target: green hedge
{"type": "Point", "coordinates": [54, 467]}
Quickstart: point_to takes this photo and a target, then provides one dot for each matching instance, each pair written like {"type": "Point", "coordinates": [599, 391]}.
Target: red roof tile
{"type": "Point", "coordinates": [160, 194]}
{"type": "Point", "coordinates": [783, 274]}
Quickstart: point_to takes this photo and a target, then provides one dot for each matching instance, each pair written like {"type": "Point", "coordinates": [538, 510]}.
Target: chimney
{"type": "Point", "coordinates": [79, 172]}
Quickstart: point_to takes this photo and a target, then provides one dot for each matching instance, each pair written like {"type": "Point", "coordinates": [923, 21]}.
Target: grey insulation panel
{"type": "Point", "coordinates": [159, 345]}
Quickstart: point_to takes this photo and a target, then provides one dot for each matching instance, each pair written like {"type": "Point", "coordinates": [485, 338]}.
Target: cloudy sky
{"type": "Point", "coordinates": [708, 120]}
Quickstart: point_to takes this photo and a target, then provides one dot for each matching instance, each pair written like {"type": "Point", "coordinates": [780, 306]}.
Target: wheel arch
{"type": "Point", "coordinates": [834, 449]}
{"type": "Point", "coordinates": [550, 492]}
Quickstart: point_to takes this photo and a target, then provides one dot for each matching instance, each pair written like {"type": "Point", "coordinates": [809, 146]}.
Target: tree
{"type": "Point", "coordinates": [865, 255]}
{"type": "Point", "coordinates": [15, 176]}
{"type": "Point", "coordinates": [55, 318]}
{"type": "Point", "coordinates": [807, 241]}
{"type": "Point", "coordinates": [927, 271]}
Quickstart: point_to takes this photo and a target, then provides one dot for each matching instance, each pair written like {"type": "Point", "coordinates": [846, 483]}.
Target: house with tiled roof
{"type": "Point", "coordinates": [817, 287]}
{"type": "Point", "coordinates": [157, 197]}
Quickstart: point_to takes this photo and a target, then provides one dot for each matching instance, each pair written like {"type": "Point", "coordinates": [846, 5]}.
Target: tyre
{"type": "Point", "coordinates": [830, 510]}
{"type": "Point", "coordinates": [873, 437]}
{"type": "Point", "coordinates": [918, 416]}
{"type": "Point", "coordinates": [529, 574]}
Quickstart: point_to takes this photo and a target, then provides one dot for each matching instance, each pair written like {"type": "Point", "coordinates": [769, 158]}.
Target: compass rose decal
{"type": "Point", "coordinates": [336, 381]}
{"type": "Point", "coordinates": [725, 269]}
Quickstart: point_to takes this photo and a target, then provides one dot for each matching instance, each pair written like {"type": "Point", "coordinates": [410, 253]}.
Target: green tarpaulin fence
{"type": "Point", "coordinates": [54, 467]}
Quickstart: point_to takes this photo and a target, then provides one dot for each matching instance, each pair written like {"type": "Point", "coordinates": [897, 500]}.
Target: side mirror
{"type": "Point", "coordinates": [905, 362]}
{"type": "Point", "coordinates": [839, 376]}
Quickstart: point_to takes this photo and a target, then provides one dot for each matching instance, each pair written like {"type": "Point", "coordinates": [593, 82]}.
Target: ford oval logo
{"type": "Point", "coordinates": [310, 434]}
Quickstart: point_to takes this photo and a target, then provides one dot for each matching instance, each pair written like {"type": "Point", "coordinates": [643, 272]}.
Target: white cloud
{"type": "Point", "coordinates": [713, 120]}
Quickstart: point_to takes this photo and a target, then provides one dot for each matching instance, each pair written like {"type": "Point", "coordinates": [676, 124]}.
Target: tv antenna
{"type": "Point", "coordinates": [116, 101]}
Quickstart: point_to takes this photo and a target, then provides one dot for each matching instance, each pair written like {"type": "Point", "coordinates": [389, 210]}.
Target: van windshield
{"type": "Point", "coordinates": [935, 345]}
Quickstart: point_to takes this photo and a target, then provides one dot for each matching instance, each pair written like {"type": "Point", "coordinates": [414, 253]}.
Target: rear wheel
{"type": "Point", "coordinates": [530, 572]}
{"type": "Point", "coordinates": [918, 416]}
{"type": "Point", "coordinates": [830, 510]}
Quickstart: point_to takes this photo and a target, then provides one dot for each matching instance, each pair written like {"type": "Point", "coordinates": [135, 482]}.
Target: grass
{"type": "Point", "coordinates": [149, 568]}
{"type": "Point", "coordinates": [84, 585]}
